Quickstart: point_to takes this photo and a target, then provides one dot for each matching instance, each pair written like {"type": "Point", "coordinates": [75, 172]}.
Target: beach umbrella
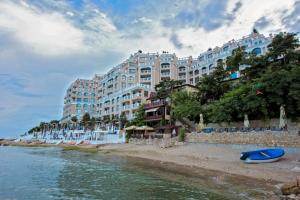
{"type": "Point", "coordinates": [146, 128]}
{"type": "Point", "coordinates": [246, 121]}
{"type": "Point", "coordinates": [131, 128]}
{"type": "Point", "coordinates": [282, 119]}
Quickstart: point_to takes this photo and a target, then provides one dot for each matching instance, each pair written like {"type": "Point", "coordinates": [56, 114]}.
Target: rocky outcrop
{"type": "Point", "coordinates": [291, 190]}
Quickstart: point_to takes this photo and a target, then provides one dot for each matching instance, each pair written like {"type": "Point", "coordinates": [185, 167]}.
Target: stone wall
{"type": "Point", "coordinates": [291, 125]}
{"type": "Point", "coordinates": [267, 138]}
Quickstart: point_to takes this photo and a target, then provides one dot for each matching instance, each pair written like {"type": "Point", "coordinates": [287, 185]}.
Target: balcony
{"type": "Point", "coordinates": [154, 118]}
{"type": "Point", "coordinates": [125, 98]}
{"type": "Point", "coordinates": [145, 71]}
{"type": "Point", "coordinates": [136, 105]}
{"type": "Point", "coordinates": [165, 73]}
{"type": "Point", "coordinates": [146, 79]}
{"type": "Point", "coordinates": [181, 69]}
{"type": "Point", "coordinates": [155, 104]}
{"type": "Point", "coordinates": [137, 96]}
{"type": "Point", "coordinates": [126, 107]}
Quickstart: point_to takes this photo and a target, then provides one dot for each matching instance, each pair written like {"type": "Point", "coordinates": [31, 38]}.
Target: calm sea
{"type": "Point", "coordinates": [52, 173]}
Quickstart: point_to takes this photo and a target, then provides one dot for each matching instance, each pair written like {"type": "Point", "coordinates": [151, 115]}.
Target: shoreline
{"type": "Point", "coordinates": [200, 160]}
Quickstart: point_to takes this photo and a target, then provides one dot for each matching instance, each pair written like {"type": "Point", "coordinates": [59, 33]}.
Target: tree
{"type": "Point", "coordinates": [238, 58]}
{"type": "Point", "coordinates": [283, 49]}
{"type": "Point", "coordinates": [92, 123]}
{"type": "Point", "coordinates": [211, 87]}
{"type": "Point", "coordinates": [139, 116]}
{"type": "Point", "coordinates": [85, 120]}
{"type": "Point", "coordinates": [74, 119]}
{"type": "Point", "coordinates": [164, 88]}
{"type": "Point", "coordinates": [185, 104]}
{"type": "Point", "coordinates": [123, 120]}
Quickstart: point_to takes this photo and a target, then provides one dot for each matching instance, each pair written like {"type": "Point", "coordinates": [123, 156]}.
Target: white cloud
{"type": "Point", "coordinates": [44, 33]}
{"type": "Point", "coordinates": [144, 20]}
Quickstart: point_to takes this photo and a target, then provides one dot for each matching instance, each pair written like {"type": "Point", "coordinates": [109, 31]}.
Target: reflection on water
{"type": "Point", "coordinates": [51, 173]}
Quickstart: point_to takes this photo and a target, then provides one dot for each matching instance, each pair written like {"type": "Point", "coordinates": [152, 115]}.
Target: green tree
{"type": "Point", "coordinates": [74, 119]}
{"type": "Point", "coordinates": [139, 116]}
{"type": "Point", "coordinates": [185, 104]}
{"type": "Point", "coordinates": [86, 120]}
{"type": "Point", "coordinates": [238, 58]}
{"type": "Point", "coordinates": [211, 87]}
{"type": "Point", "coordinates": [164, 88]}
{"type": "Point", "coordinates": [123, 120]}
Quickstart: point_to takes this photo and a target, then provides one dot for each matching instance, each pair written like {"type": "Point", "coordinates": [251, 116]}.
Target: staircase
{"type": "Point", "coordinates": [188, 124]}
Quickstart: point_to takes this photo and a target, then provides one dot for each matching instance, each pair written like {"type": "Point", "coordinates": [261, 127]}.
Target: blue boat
{"type": "Point", "coordinates": [262, 156]}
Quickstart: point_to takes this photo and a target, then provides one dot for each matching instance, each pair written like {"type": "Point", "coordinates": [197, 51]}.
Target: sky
{"type": "Point", "coordinates": [47, 44]}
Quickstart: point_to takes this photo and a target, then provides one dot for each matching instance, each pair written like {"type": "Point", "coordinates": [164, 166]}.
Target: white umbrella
{"type": "Point", "coordinates": [246, 121]}
{"type": "Point", "coordinates": [282, 119]}
{"type": "Point", "coordinates": [201, 123]}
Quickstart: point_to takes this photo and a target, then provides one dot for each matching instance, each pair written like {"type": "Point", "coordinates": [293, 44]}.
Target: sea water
{"type": "Point", "coordinates": [54, 173]}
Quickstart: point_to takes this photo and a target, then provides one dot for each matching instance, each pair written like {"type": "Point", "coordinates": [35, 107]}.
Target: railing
{"type": "Point", "coordinates": [126, 107]}
{"type": "Point", "coordinates": [146, 79]}
{"type": "Point", "coordinates": [165, 74]}
{"type": "Point", "coordinates": [126, 97]}
{"type": "Point", "coordinates": [145, 71]}
{"type": "Point", "coordinates": [155, 117]}
{"type": "Point", "coordinates": [155, 104]}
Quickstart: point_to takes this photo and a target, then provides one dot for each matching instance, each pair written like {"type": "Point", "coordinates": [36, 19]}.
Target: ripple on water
{"type": "Point", "coordinates": [51, 173]}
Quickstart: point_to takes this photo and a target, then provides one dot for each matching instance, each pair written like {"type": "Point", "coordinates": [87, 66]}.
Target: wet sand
{"type": "Point", "coordinates": [218, 163]}
{"type": "Point", "coordinates": [219, 158]}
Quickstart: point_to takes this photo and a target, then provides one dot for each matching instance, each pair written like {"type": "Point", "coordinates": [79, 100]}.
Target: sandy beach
{"type": "Point", "coordinates": [222, 158]}
{"type": "Point", "coordinates": [213, 157]}
{"type": "Point", "coordinates": [219, 162]}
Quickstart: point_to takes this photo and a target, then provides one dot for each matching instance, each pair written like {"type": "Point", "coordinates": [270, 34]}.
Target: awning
{"type": "Point", "coordinates": [151, 110]}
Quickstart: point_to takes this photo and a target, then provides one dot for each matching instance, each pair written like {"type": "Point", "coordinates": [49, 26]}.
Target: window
{"type": "Point", "coordinates": [92, 106]}
{"type": "Point", "coordinates": [85, 105]}
{"type": "Point", "coordinates": [256, 51]}
{"type": "Point", "coordinates": [78, 111]}
{"type": "Point", "coordinates": [85, 100]}
{"type": "Point", "coordinates": [131, 71]}
{"type": "Point", "coordinates": [93, 100]}
{"type": "Point", "coordinates": [79, 93]}
{"type": "Point", "coordinates": [131, 78]}
{"type": "Point", "coordinates": [78, 105]}
{"type": "Point", "coordinates": [225, 48]}
{"type": "Point", "coordinates": [86, 94]}
{"type": "Point", "coordinates": [78, 99]}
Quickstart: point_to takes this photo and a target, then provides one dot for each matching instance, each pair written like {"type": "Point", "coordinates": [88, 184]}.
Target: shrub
{"type": "Point", "coordinates": [182, 135]}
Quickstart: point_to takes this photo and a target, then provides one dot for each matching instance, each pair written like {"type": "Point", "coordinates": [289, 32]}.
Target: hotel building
{"type": "Point", "coordinates": [126, 86]}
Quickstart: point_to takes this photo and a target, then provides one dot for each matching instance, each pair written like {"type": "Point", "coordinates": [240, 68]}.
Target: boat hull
{"type": "Point", "coordinates": [262, 156]}
{"type": "Point", "coordinates": [262, 161]}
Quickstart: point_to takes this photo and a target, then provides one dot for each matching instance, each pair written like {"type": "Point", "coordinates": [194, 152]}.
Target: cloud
{"type": "Point", "coordinates": [174, 39]}
{"type": "Point", "coordinates": [209, 16]}
{"type": "Point", "coordinates": [44, 33]}
{"type": "Point", "coordinates": [292, 20]}
{"type": "Point", "coordinates": [261, 23]}
{"type": "Point", "coordinates": [144, 20]}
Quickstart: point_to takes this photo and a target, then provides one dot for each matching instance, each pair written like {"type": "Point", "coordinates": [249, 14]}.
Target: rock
{"type": "Point", "coordinates": [291, 187]}
{"type": "Point", "coordinates": [296, 169]}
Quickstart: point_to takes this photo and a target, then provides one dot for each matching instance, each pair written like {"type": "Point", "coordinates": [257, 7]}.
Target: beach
{"type": "Point", "coordinates": [212, 157]}
{"type": "Point", "coordinates": [219, 161]}
{"type": "Point", "coordinates": [222, 158]}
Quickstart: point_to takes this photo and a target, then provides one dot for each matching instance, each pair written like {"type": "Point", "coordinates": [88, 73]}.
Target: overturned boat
{"type": "Point", "coordinates": [262, 156]}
